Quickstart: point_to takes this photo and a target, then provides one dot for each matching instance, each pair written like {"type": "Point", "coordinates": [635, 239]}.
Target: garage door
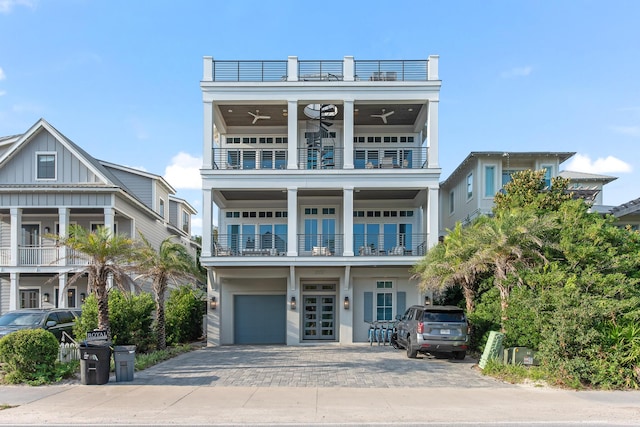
{"type": "Point", "coordinates": [259, 319]}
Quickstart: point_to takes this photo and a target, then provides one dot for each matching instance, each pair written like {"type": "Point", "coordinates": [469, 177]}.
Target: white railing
{"type": "Point", "coordinates": [38, 255]}
{"type": "Point", "coordinates": [77, 258]}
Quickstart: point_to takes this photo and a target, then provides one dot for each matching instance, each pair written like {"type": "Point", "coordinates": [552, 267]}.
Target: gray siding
{"type": "Point", "coordinates": [21, 169]}
{"type": "Point", "coordinates": [152, 229]}
{"type": "Point", "coordinates": [5, 231]}
{"type": "Point", "coordinates": [5, 288]}
{"type": "Point", "coordinates": [55, 199]}
{"type": "Point", "coordinates": [141, 186]}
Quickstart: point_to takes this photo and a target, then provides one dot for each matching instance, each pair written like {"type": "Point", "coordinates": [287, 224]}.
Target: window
{"type": "Point", "coordinates": [469, 186]}
{"type": "Point", "coordinates": [451, 198]}
{"type": "Point", "coordinates": [46, 165]}
{"type": "Point", "coordinates": [547, 175]}
{"type": "Point", "coordinates": [185, 221]}
{"type": "Point", "coordinates": [384, 300]}
{"type": "Point", "coordinates": [161, 208]}
{"type": "Point", "coordinates": [489, 181]}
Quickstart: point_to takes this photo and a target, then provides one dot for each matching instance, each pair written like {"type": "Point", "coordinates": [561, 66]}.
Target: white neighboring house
{"type": "Point", "coordinates": [322, 178]}
{"type": "Point", "coordinates": [48, 183]}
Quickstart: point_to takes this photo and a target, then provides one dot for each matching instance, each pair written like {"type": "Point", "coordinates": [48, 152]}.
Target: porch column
{"type": "Point", "coordinates": [14, 294]}
{"type": "Point", "coordinates": [292, 221]}
{"type": "Point", "coordinates": [346, 313]}
{"type": "Point", "coordinates": [432, 134]}
{"type": "Point", "coordinates": [213, 314]}
{"type": "Point", "coordinates": [292, 134]}
{"type": "Point", "coordinates": [347, 220]}
{"type": "Point", "coordinates": [109, 215]}
{"type": "Point", "coordinates": [432, 217]}
{"type": "Point", "coordinates": [293, 316]}
{"type": "Point", "coordinates": [207, 223]}
{"type": "Point", "coordinates": [207, 150]}
{"type": "Point", "coordinates": [16, 227]}
{"type": "Point", "coordinates": [348, 133]}
{"type": "Point", "coordinates": [62, 291]}
{"type": "Point", "coordinates": [63, 224]}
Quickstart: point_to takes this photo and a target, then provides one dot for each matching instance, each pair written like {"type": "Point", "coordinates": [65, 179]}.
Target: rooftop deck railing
{"type": "Point", "coordinates": [415, 70]}
{"type": "Point", "coordinates": [320, 70]}
{"type": "Point", "coordinates": [249, 71]}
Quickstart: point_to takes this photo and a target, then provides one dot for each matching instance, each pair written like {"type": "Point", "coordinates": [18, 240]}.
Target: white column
{"type": "Point", "coordinates": [207, 68]}
{"type": "Point", "coordinates": [207, 223]}
{"type": "Point", "coordinates": [293, 316]}
{"type": "Point", "coordinates": [346, 314]}
{"type": "Point", "coordinates": [348, 69]}
{"type": "Point", "coordinates": [292, 221]}
{"type": "Point", "coordinates": [62, 291]}
{"type": "Point", "coordinates": [432, 134]}
{"type": "Point", "coordinates": [347, 220]}
{"type": "Point", "coordinates": [292, 68]}
{"type": "Point", "coordinates": [16, 227]}
{"type": "Point", "coordinates": [433, 67]}
{"type": "Point", "coordinates": [213, 315]}
{"type": "Point", "coordinates": [292, 134]}
{"type": "Point", "coordinates": [207, 143]}
{"type": "Point", "coordinates": [109, 219]}
{"type": "Point", "coordinates": [13, 291]}
{"type": "Point", "coordinates": [348, 134]}
{"type": "Point", "coordinates": [63, 225]}
{"type": "Point", "coordinates": [432, 217]}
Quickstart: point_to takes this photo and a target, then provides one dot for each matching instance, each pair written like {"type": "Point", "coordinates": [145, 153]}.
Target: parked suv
{"type": "Point", "coordinates": [55, 320]}
{"type": "Point", "coordinates": [433, 329]}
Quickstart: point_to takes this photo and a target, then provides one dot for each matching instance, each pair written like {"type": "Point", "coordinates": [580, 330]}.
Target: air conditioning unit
{"type": "Point", "coordinates": [520, 356]}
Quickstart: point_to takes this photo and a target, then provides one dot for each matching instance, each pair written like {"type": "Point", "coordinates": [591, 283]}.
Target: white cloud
{"type": "Point", "coordinates": [2, 74]}
{"type": "Point", "coordinates": [184, 172]}
{"type": "Point", "coordinates": [517, 72]}
{"type": "Point", "coordinates": [627, 130]}
{"type": "Point", "coordinates": [609, 164]}
{"type": "Point", "coordinates": [7, 5]}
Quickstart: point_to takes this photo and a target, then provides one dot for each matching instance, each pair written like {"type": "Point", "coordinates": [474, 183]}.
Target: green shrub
{"type": "Point", "coordinates": [184, 310]}
{"type": "Point", "coordinates": [29, 355]}
{"type": "Point", "coordinates": [130, 318]}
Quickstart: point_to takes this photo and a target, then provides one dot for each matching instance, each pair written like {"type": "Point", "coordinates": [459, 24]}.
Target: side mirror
{"type": "Point", "coordinates": [398, 317]}
{"type": "Point", "coordinates": [51, 323]}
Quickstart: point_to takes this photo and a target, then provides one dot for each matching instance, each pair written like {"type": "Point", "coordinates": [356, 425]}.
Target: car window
{"type": "Point", "coordinates": [54, 317]}
{"type": "Point", "coordinates": [443, 316]}
{"type": "Point", "coordinates": [20, 319]}
{"type": "Point", "coordinates": [65, 317]}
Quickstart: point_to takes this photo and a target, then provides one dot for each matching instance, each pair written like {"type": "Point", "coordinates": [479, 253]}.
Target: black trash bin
{"type": "Point", "coordinates": [95, 364]}
{"type": "Point", "coordinates": [124, 359]}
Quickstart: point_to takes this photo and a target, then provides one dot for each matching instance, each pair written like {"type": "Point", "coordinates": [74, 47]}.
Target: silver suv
{"type": "Point", "coordinates": [433, 329]}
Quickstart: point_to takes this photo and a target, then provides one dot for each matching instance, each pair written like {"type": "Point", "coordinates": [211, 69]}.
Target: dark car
{"type": "Point", "coordinates": [433, 329]}
{"type": "Point", "coordinates": [55, 320]}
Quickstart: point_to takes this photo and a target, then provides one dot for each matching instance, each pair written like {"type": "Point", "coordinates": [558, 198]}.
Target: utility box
{"type": "Point", "coordinates": [520, 356]}
{"type": "Point", "coordinates": [124, 360]}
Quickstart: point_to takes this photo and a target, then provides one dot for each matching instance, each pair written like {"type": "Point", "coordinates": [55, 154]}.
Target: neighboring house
{"type": "Point", "coordinates": [48, 183]}
{"type": "Point", "coordinates": [322, 178]}
{"type": "Point", "coordinates": [587, 186]}
{"type": "Point", "coordinates": [626, 214]}
{"type": "Point", "coordinates": [468, 192]}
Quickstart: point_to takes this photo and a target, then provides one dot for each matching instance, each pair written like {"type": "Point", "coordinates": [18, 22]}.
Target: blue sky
{"type": "Point", "coordinates": [121, 78]}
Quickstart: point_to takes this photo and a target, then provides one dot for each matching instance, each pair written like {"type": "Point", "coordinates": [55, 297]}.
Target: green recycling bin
{"type": "Point", "coordinates": [95, 363]}
{"type": "Point", "coordinates": [124, 360]}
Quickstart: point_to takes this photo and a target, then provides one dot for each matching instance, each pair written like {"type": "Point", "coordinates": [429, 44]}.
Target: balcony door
{"type": "Point", "coordinates": [30, 253]}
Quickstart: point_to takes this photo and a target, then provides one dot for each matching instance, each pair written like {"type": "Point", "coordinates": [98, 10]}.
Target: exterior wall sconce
{"type": "Point", "coordinates": [346, 303]}
{"type": "Point", "coordinates": [83, 297]}
{"type": "Point", "coordinates": [45, 297]}
{"type": "Point", "coordinates": [293, 303]}
{"type": "Point", "coordinates": [427, 301]}
{"type": "Point", "coordinates": [213, 303]}
{"type": "Point", "coordinates": [70, 293]}
{"type": "Point", "coordinates": [47, 230]}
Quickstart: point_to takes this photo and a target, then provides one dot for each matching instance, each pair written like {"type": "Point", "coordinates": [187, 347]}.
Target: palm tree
{"type": "Point", "coordinates": [510, 243]}
{"type": "Point", "coordinates": [109, 255]}
{"type": "Point", "coordinates": [172, 262]}
{"type": "Point", "coordinates": [452, 262]}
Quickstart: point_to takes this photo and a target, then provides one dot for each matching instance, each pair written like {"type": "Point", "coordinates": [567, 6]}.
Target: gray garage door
{"type": "Point", "coordinates": [259, 319]}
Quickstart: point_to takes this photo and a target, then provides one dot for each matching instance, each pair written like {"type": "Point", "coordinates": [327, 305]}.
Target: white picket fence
{"type": "Point", "coordinates": [68, 351]}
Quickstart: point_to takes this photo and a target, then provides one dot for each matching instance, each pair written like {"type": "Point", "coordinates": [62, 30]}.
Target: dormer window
{"type": "Point", "coordinates": [185, 221]}
{"type": "Point", "coordinates": [161, 208]}
{"type": "Point", "coordinates": [46, 166]}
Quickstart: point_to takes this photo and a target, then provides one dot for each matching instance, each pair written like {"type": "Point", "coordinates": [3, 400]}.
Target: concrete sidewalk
{"type": "Point", "coordinates": [201, 405]}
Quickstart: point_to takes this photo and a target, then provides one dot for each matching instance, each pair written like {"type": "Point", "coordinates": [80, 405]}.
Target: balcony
{"type": "Point", "coordinates": [249, 245]}
{"type": "Point", "coordinates": [390, 244]}
{"type": "Point", "coordinates": [42, 256]}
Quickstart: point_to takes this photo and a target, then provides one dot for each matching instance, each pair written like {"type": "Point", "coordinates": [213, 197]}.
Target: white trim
{"type": "Point", "coordinates": [467, 183]}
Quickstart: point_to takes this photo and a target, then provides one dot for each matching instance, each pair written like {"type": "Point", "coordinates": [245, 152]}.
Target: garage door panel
{"type": "Point", "coordinates": [260, 319]}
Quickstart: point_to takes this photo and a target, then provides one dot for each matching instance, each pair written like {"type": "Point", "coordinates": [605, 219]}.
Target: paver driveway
{"type": "Point", "coordinates": [313, 366]}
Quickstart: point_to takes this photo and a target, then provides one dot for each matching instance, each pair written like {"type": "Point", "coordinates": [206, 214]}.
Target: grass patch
{"type": "Point", "coordinates": [3, 406]}
{"type": "Point", "coordinates": [515, 374]}
{"type": "Point", "coordinates": [144, 361]}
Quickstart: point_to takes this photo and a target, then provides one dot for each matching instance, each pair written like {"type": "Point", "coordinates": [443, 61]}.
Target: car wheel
{"type": "Point", "coordinates": [411, 352]}
{"type": "Point", "coordinates": [460, 355]}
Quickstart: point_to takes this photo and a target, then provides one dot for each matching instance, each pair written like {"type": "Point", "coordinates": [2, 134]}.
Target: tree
{"type": "Point", "coordinates": [528, 189]}
{"type": "Point", "coordinates": [172, 262]}
{"type": "Point", "coordinates": [109, 255]}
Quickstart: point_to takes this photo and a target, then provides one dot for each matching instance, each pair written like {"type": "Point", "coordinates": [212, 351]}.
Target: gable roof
{"type": "Point", "coordinates": [139, 172]}
{"type": "Point", "coordinates": [583, 176]}
{"type": "Point", "coordinates": [631, 207]}
{"type": "Point", "coordinates": [560, 155]}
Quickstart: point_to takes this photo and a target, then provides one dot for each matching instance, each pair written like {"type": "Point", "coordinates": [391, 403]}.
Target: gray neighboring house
{"type": "Point", "coordinates": [48, 183]}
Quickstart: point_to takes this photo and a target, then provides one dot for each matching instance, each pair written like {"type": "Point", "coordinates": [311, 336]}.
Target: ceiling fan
{"type": "Point", "coordinates": [384, 115]}
{"type": "Point", "coordinates": [257, 116]}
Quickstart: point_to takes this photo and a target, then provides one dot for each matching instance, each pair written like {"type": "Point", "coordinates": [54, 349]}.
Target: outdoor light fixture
{"type": "Point", "coordinates": [427, 301]}
{"type": "Point", "coordinates": [47, 230]}
{"type": "Point", "coordinates": [214, 303]}
{"type": "Point", "coordinates": [82, 297]}
{"type": "Point", "coordinates": [46, 297]}
{"type": "Point", "coordinates": [293, 303]}
{"type": "Point", "coordinates": [346, 303]}
{"type": "Point", "coordinates": [70, 293]}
